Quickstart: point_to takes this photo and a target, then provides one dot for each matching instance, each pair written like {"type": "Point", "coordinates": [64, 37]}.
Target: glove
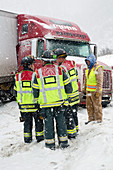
{"type": "Point", "coordinates": [38, 112]}
{"type": "Point", "coordinates": [97, 94]}
{"type": "Point", "coordinates": [84, 90]}
{"type": "Point", "coordinates": [22, 119]}
{"type": "Point", "coordinates": [42, 114]}
{"type": "Point", "coordinates": [41, 117]}
{"type": "Point", "coordinates": [38, 107]}
{"type": "Point", "coordinates": [69, 99]}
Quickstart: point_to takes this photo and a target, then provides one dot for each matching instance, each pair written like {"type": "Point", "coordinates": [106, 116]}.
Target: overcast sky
{"type": "Point", "coordinates": [91, 15]}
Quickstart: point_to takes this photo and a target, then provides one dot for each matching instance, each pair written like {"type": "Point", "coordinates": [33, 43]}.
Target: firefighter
{"type": "Point", "coordinates": [51, 87]}
{"type": "Point", "coordinates": [27, 104]}
{"type": "Point", "coordinates": [71, 71]}
{"type": "Point", "coordinates": [93, 89]}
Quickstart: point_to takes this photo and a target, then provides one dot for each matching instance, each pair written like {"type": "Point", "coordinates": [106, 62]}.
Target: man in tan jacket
{"type": "Point", "coordinates": [93, 89]}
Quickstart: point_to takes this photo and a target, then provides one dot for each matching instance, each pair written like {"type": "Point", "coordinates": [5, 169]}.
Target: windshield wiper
{"type": "Point", "coordinates": [78, 55]}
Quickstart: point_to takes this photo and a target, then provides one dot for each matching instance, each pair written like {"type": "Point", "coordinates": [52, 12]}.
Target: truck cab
{"type": "Point", "coordinates": [36, 34]}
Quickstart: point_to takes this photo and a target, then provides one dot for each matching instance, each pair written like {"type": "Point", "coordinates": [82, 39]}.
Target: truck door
{"type": "Point", "coordinates": [37, 49]}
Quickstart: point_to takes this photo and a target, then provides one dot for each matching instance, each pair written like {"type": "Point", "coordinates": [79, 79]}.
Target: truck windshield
{"type": "Point", "coordinates": [72, 48]}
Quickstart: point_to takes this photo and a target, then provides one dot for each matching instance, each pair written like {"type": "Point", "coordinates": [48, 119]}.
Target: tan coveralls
{"type": "Point", "coordinates": [93, 103]}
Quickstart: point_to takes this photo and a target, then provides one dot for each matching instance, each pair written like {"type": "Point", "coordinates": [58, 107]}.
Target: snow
{"type": "Point", "coordinates": [91, 150]}
{"type": "Point", "coordinates": [93, 147]}
{"type": "Point", "coordinates": [39, 23]}
{"type": "Point", "coordinates": [108, 59]}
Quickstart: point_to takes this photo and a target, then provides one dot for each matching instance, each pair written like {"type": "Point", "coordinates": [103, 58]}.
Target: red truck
{"type": "Point", "coordinates": [34, 34]}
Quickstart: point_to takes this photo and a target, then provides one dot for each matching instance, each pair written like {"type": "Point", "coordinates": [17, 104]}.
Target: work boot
{"type": "Point", "coordinates": [63, 145]}
{"type": "Point", "coordinates": [40, 138]}
{"type": "Point", "coordinates": [52, 147]}
{"type": "Point", "coordinates": [99, 121]}
{"type": "Point", "coordinates": [72, 136]}
{"type": "Point", "coordinates": [87, 122]}
{"type": "Point", "coordinates": [27, 140]}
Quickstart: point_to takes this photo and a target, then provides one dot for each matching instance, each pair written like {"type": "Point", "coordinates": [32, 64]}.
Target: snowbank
{"type": "Point", "coordinates": [91, 150]}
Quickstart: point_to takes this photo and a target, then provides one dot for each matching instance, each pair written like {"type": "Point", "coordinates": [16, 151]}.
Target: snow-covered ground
{"type": "Point", "coordinates": [91, 150]}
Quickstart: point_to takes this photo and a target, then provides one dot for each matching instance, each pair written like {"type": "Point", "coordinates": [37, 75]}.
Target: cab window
{"type": "Point", "coordinates": [25, 28]}
{"type": "Point", "coordinates": [40, 49]}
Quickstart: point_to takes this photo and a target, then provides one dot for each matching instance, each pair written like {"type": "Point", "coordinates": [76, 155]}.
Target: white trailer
{"type": "Point", "coordinates": [8, 58]}
{"type": "Point", "coordinates": [8, 42]}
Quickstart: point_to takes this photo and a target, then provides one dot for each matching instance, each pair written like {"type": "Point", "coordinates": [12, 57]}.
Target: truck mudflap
{"type": "Point", "coordinates": [106, 99]}
{"type": "Point", "coordinates": [6, 92]}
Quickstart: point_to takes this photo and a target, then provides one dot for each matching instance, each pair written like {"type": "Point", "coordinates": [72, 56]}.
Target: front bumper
{"type": "Point", "coordinates": [106, 98]}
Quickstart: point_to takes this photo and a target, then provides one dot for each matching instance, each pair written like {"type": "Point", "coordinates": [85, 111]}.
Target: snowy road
{"type": "Point", "coordinates": [91, 150]}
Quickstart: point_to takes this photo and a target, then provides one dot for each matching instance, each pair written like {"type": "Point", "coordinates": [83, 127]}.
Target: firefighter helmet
{"type": "Point", "coordinates": [60, 53]}
{"type": "Point", "coordinates": [48, 55]}
{"type": "Point", "coordinates": [27, 60]}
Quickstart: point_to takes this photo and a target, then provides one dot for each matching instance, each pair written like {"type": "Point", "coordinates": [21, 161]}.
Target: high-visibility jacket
{"type": "Point", "coordinates": [91, 82]}
{"type": "Point", "coordinates": [70, 69]}
{"type": "Point", "coordinates": [23, 87]}
{"type": "Point", "coordinates": [51, 86]}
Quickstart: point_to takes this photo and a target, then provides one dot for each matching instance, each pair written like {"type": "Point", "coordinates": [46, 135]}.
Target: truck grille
{"type": "Point", "coordinates": [107, 84]}
{"type": "Point", "coordinates": [106, 80]}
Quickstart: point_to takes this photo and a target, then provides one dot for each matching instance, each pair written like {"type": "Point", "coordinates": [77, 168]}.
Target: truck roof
{"type": "Point", "coordinates": [50, 28]}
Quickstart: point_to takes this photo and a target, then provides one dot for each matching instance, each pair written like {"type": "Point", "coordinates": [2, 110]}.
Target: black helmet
{"type": "Point", "coordinates": [48, 55]}
{"type": "Point", "coordinates": [28, 60]}
{"type": "Point", "coordinates": [59, 52]}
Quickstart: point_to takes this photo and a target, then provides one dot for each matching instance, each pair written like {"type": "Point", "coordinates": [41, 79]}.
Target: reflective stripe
{"type": "Point", "coordinates": [36, 99]}
{"type": "Point", "coordinates": [24, 91]}
{"type": "Point", "coordinates": [72, 62]}
{"type": "Point", "coordinates": [28, 110]}
{"type": "Point", "coordinates": [33, 76]}
{"type": "Point", "coordinates": [75, 102]}
{"type": "Point", "coordinates": [63, 138]}
{"type": "Point", "coordinates": [21, 92]}
{"type": "Point", "coordinates": [51, 104]}
{"type": "Point", "coordinates": [74, 79]}
{"type": "Point", "coordinates": [40, 133]}
{"type": "Point", "coordinates": [68, 74]}
{"type": "Point", "coordinates": [49, 141]}
{"type": "Point", "coordinates": [66, 81]}
{"type": "Point", "coordinates": [58, 82]}
{"type": "Point", "coordinates": [51, 88]}
{"type": "Point", "coordinates": [96, 67]}
{"type": "Point", "coordinates": [91, 86]}
{"type": "Point", "coordinates": [66, 103]}
{"type": "Point", "coordinates": [91, 83]}
{"type": "Point", "coordinates": [73, 94]}
{"type": "Point", "coordinates": [66, 70]}
{"type": "Point", "coordinates": [77, 127]}
{"type": "Point", "coordinates": [27, 134]}
{"type": "Point", "coordinates": [35, 86]}
{"type": "Point", "coordinates": [43, 90]}
{"type": "Point", "coordinates": [72, 131]}
{"type": "Point", "coordinates": [20, 86]}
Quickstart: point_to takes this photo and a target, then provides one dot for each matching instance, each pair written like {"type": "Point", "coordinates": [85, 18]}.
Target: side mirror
{"type": "Point", "coordinates": [93, 48]}
{"type": "Point", "coordinates": [95, 51]}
